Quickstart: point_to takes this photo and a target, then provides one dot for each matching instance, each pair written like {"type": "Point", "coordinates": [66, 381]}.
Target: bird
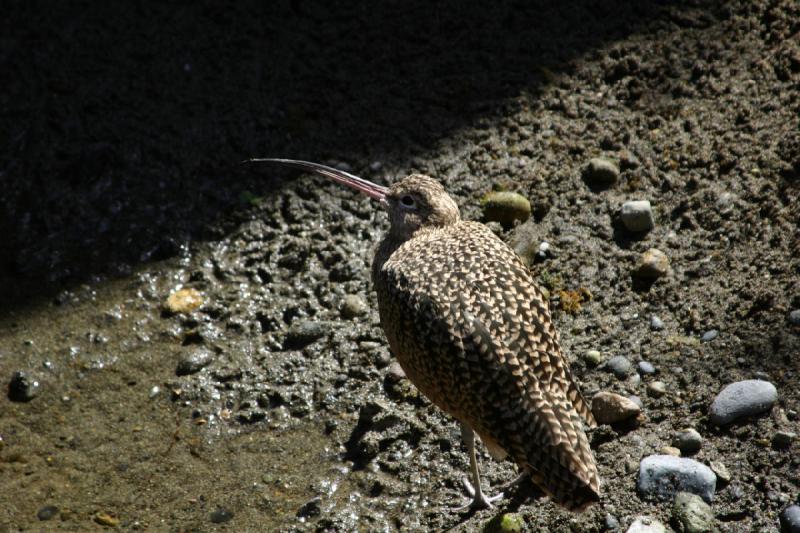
{"type": "Point", "coordinates": [473, 332]}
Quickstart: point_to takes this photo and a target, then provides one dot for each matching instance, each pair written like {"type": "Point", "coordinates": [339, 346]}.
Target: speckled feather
{"type": "Point", "coordinates": [472, 331]}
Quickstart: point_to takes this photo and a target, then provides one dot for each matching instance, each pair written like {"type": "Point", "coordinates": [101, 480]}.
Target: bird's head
{"type": "Point", "coordinates": [415, 202]}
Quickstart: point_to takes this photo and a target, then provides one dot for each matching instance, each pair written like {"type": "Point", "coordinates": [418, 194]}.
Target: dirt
{"type": "Point", "coordinates": [123, 129]}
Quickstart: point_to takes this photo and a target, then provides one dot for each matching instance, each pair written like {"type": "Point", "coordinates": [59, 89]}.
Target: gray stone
{"type": "Point", "coordinates": [645, 368]}
{"type": "Point", "coordinates": [661, 476]}
{"type": "Point", "coordinates": [783, 439]}
{"type": "Point", "coordinates": [637, 216]}
{"type": "Point", "coordinates": [653, 264]}
{"type": "Point", "coordinates": [601, 172]}
{"type": "Point", "coordinates": [610, 408]}
{"type": "Point", "coordinates": [656, 324]}
{"type": "Point", "coordinates": [656, 389]}
{"type": "Point", "coordinates": [610, 522]}
{"type": "Point", "coordinates": [619, 366]}
{"type": "Point", "coordinates": [691, 514]}
{"type": "Point", "coordinates": [794, 317]}
{"type": "Point", "coordinates": [709, 335]}
{"type": "Point", "coordinates": [506, 208]}
{"type": "Point", "coordinates": [194, 361]}
{"type": "Point", "coordinates": [23, 387]}
{"type": "Point", "coordinates": [352, 306]}
{"type": "Point", "coordinates": [593, 357]}
{"type": "Point", "coordinates": [742, 399]}
{"type": "Point", "coordinates": [304, 332]}
{"type": "Point", "coordinates": [790, 519]}
{"type": "Point", "coordinates": [688, 441]}
{"type": "Point", "coordinates": [646, 524]}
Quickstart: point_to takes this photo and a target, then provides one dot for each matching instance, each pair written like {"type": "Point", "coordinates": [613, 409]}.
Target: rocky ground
{"type": "Point", "coordinates": [261, 395]}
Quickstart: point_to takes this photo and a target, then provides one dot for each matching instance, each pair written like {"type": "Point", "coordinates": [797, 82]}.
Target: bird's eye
{"type": "Point", "coordinates": [407, 200]}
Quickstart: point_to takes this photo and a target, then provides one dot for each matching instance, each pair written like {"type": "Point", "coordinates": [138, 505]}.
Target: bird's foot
{"type": "Point", "coordinates": [479, 499]}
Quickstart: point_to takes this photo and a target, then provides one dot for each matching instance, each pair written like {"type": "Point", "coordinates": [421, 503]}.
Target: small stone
{"type": "Point", "coordinates": [154, 391]}
{"type": "Point", "coordinates": [722, 472]}
{"type": "Point", "coordinates": [619, 366]}
{"type": "Point", "coordinates": [688, 441]}
{"type": "Point", "coordinates": [601, 172]}
{"type": "Point", "coordinates": [593, 357]}
{"type": "Point", "coordinates": [637, 216]}
{"type": "Point", "coordinates": [304, 332]}
{"type": "Point", "coordinates": [352, 306]}
{"type": "Point", "coordinates": [691, 514]}
{"type": "Point", "coordinates": [645, 524]}
{"type": "Point", "coordinates": [670, 450]}
{"type": "Point", "coordinates": [709, 335]}
{"type": "Point", "coordinates": [505, 523]}
{"type": "Point", "coordinates": [506, 208]}
{"type": "Point", "coordinates": [610, 522]}
{"type": "Point", "coordinates": [105, 519]}
{"type": "Point", "coordinates": [656, 324]}
{"type": "Point", "coordinates": [656, 389]}
{"type": "Point", "coordinates": [47, 512]}
{"type": "Point", "coordinates": [638, 401]}
{"type": "Point", "coordinates": [742, 399]}
{"type": "Point", "coordinates": [790, 519]}
{"type": "Point", "coordinates": [184, 301]}
{"type": "Point", "coordinates": [395, 372]}
{"type": "Point", "coordinates": [310, 508]}
{"type": "Point", "coordinates": [610, 408]}
{"type": "Point", "coordinates": [653, 264]}
{"type": "Point", "coordinates": [661, 476]}
{"type": "Point", "coordinates": [23, 387]}
{"type": "Point", "coordinates": [194, 361]}
{"type": "Point", "coordinates": [794, 317]}
{"type": "Point", "coordinates": [782, 440]}
{"type": "Point", "coordinates": [221, 516]}
{"type": "Point", "coordinates": [645, 368]}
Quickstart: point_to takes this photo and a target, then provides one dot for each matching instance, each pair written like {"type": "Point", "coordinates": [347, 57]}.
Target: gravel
{"type": "Point", "coordinates": [688, 441]}
{"type": "Point", "coordinates": [194, 361]}
{"type": "Point", "coordinates": [656, 324]}
{"type": "Point", "coordinates": [620, 366]}
{"type": "Point", "coordinates": [600, 172]}
{"type": "Point", "coordinates": [645, 368]}
{"type": "Point", "coordinates": [637, 216]}
{"type": "Point", "coordinates": [661, 476]}
{"type": "Point", "coordinates": [742, 399]}
{"type": "Point", "coordinates": [709, 335]}
{"type": "Point", "coordinates": [652, 264]}
{"type": "Point", "coordinates": [691, 514]}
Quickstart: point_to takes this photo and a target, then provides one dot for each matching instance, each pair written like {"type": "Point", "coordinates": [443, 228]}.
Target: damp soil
{"type": "Point", "coordinates": [275, 405]}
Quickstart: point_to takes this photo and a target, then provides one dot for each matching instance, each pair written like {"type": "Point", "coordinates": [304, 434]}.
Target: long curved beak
{"type": "Point", "coordinates": [374, 191]}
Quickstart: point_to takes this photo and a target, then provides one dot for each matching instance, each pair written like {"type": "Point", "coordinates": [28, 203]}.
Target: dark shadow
{"type": "Point", "coordinates": [122, 125]}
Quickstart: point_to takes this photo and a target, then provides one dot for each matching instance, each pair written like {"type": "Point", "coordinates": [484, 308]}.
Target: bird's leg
{"type": "Point", "coordinates": [479, 499]}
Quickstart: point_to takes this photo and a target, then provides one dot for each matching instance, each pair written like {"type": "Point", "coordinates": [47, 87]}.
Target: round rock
{"type": "Point", "coordinates": [656, 324]}
{"type": "Point", "coordinates": [601, 172]}
{"type": "Point", "coordinates": [656, 389]}
{"type": "Point", "coordinates": [304, 332]}
{"type": "Point", "coordinates": [688, 441]}
{"type": "Point", "coordinates": [47, 512]}
{"type": "Point", "coordinates": [662, 476]}
{"type": "Point", "coordinates": [352, 306]}
{"type": "Point", "coordinates": [506, 208]}
{"type": "Point", "coordinates": [593, 357]}
{"type": "Point", "coordinates": [194, 361]}
{"type": "Point", "coordinates": [790, 519]}
{"type": "Point", "coordinates": [653, 264]}
{"type": "Point", "coordinates": [645, 368]}
{"type": "Point", "coordinates": [620, 366]}
{"type": "Point", "coordinates": [646, 524]}
{"type": "Point", "coordinates": [183, 301]}
{"type": "Point", "coordinates": [794, 317]}
{"type": "Point", "coordinates": [691, 514]}
{"type": "Point", "coordinates": [742, 399]}
{"type": "Point", "coordinates": [610, 408]}
{"type": "Point", "coordinates": [637, 216]}
{"type": "Point", "coordinates": [709, 335]}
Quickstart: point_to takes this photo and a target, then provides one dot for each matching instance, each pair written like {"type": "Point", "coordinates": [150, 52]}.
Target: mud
{"type": "Point", "coordinates": [122, 132]}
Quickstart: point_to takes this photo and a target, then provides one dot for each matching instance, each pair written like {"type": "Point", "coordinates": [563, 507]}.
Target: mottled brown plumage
{"type": "Point", "coordinates": [472, 331]}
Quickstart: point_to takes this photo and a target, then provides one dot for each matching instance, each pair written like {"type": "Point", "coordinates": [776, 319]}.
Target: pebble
{"type": "Point", "coordinates": [620, 366]}
{"type": "Point", "coordinates": [722, 472]}
{"type": "Point", "coordinates": [638, 401]}
{"type": "Point", "coordinates": [105, 519]}
{"type": "Point", "coordinates": [47, 512]}
{"type": "Point", "coordinates": [23, 387]}
{"type": "Point", "coordinates": [653, 264]}
{"type": "Point", "coordinates": [709, 335]}
{"type": "Point", "coordinates": [645, 524]}
{"type": "Point", "coordinates": [670, 450]}
{"type": "Point", "coordinates": [352, 306]}
{"type": "Point", "coordinates": [790, 519]}
{"type": "Point", "coordinates": [610, 408]}
{"type": "Point", "coordinates": [593, 357]}
{"type": "Point", "coordinates": [601, 171]}
{"type": "Point", "coordinates": [782, 440]}
{"type": "Point", "coordinates": [794, 317]}
{"type": "Point", "coordinates": [194, 361]}
{"type": "Point", "coordinates": [637, 215]}
{"type": "Point", "coordinates": [221, 515]}
{"type": "Point", "coordinates": [656, 389]}
{"type": "Point", "coordinates": [645, 368]}
{"type": "Point", "coordinates": [154, 391]}
{"type": "Point", "coordinates": [505, 523]}
{"type": "Point", "coordinates": [688, 441]}
{"type": "Point", "coordinates": [661, 476]}
{"type": "Point", "coordinates": [184, 301]}
{"type": "Point", "coordinates": [304, 332]}
{"type": "Point", "coordinates": [610, 522]}
{"type": "Point", "coordinates": [506, 207]}
{"type": "Point", "coordinates": [310, 508]}
{"type": "Point", "coordinates": [692, 514]}
{"type": "Point", "coordinates": [656, 324]}
{"type": "Point", "coordinates": [742, 399]}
